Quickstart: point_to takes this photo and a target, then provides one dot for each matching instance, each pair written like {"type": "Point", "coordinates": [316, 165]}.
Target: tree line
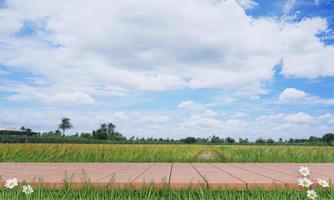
{"type": "Point", "coordinates": [107, 133]}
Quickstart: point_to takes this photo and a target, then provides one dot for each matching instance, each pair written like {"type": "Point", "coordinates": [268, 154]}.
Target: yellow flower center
{"type": "Point", "coordinates": [11, 184]}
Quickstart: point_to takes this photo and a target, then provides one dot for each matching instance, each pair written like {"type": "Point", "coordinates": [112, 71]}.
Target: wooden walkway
{"type": "Point", "coordinates": [175, 175]}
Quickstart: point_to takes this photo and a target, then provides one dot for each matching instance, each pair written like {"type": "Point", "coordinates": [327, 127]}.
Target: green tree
{"type": "Point", "coordinates": [189, 140]}
{"type": "Point", "coordinates": [57, 132]}
{"type": "Point", "coordinates": [229, 140]}
{"type": "Point", "coordinates": [85, 135]}
{"type": "Point", "coordinates": [243, 141]}
{"type": "Point", "coordinates": [260, 141]}
{"type": "Point", "coordinates": [215, 139]}
{"type": "Point", "coordinates": [270, 141]}
{"type": "Point", "coordinates": [328, 138]}
{"type": "Point", "coordinates": [65, 124]}
{"type": "Point", "coordinates": [111, 129]}
{"type": "Point", "coordinates": [107, 131]}
{"type": "Point", "coordinates": [101, 134]}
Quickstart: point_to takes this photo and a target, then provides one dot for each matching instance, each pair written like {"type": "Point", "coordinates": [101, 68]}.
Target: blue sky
{"type": "Point", "coordinates": [238, 68]}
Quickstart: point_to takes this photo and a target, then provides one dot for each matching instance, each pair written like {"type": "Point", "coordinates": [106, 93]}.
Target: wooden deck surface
{"type": "Point", "coordinates": [175, 175]}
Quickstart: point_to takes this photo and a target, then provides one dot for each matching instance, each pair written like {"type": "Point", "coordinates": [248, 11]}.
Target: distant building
{"type": "Point", "coordinates": [17, 132]}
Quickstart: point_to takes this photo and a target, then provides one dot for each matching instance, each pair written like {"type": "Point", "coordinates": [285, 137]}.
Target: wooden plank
{"type": "Point", "coordinates": [55, 176]}
{"type": "Point", "coordinates": [185, 176]}
{"type": "Point", "coordinates": [157, 175]}
{"type": "Point", "coordinates": [123, 177]}
{"type": "Point", "coordinates": [177, 175]}
{"type": "Point", "coordinates": [290, 181]}
{"type": "Point", "coordinates": [317, 171]}
{"type": "Point", "coordinates": [252, 180]}
{"type": "Point", "coordinates": [217, 178]}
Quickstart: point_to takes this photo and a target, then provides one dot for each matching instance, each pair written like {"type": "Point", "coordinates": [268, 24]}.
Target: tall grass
{"type": "Point", "coordinates": [160, 153]}
{"type": "Point", "coordinates": [97, 153]}
{"type": "Point", "coordinates": [164, 194]}
{"type": "Point", "coordinates": [272, 154]}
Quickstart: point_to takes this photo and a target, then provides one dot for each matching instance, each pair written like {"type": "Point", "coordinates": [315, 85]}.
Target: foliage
{"type": "Point", "coordinates": [107, 131]}
{"type": "Point", "coordinates": [25, 129]}
{"type": "Point", "coordinates": [229, 140]}
{"type": "Point", "coordinates": [329, 138]}
{"type": "Point", "coordinates": [216, 139]}
{"type": "Point", "coordinates": [189, 140]}
{"type": "Point", "coordinates": [260, 141]}
{"type": "Point", "coordinates": [118, 138]}
{"type": "Point", "coordinates": [243, 141]}
{"type": "Point", "coordinates": [65, 124]}
{"type": "Point", "coordinates": [86, 135]}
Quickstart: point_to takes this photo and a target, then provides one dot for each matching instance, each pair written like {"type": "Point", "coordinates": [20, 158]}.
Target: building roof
{"type": "Point", "coordinates": [17, 132]}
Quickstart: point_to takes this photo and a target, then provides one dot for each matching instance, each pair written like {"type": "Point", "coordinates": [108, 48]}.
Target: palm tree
{"type": "Point", "coordinates": [65, 124]}
{"type": "Point", "coordinates": [111, 129]}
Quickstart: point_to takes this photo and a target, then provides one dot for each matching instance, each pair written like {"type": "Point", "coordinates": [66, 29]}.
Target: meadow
{"type": "Point", "coordinates": [163, 153]}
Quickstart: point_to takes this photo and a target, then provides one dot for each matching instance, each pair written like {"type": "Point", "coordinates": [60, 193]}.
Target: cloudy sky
{"type": "Point", "coordinates": [169, 68]}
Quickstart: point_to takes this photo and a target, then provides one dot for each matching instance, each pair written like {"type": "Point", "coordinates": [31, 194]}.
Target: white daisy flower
{"type": "Point", "coordinates": [323, 183]}
{"type": "Point", "coordinates": [27, 189]}
{"type": "Point", "coordinates": [305, 171]}
{"type": "Point", "coordinates": [311, 194]}
{"type": "Point", "coordinates": [11, 183]}
{"type": "Point", "coordinates": [305, 182]}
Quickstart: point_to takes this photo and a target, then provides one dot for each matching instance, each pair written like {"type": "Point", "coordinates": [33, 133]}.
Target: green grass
{"type": "Point", "coordinates": [273, 154]}
{"type": "Point", "coordinates": [161, 153]}
{"type": "Point", "coordinates": [164, 194]}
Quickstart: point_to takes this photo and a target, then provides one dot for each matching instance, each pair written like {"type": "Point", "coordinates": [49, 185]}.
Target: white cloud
{"type": "Point", "coordinates": [109, 48]}
{"type": "Point", "coordinates": [175, 124]}
{"type": "Point", "coordinates": [121, 116]}
{"type": "Point", "coordinates": [288, 6]}
{"type": "Point", "coordinates": [247, 4]}
{"type": "Point", "coordinates": [191, 105]}
{"type": "Point", "coordinates": [292, 95]}
{"type": "Point", "coordinates": [78, 97]}
{"type": "Point", "coordinates": [27, 93]}
{"type": "Point", "coordinates": [295, 125]}
{"type": "Point", "coordinates": [158, 119]}
{"type": "Point", "coordinates": [3, 127]}
{"type": "Point", "coordinates": [224, 99]}
{"type": "Point", "coordinates": [298, 117]}
{"type": "Point", "coordinates": [239, 115]}
{"type": "Point", "coordinates": [210, 113]}
{"type": "Point", "coordinates": [329, 102]}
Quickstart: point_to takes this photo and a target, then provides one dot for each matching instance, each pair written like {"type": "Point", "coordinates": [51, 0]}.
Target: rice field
{"type": "Point", "coordinates": [163, 153]}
